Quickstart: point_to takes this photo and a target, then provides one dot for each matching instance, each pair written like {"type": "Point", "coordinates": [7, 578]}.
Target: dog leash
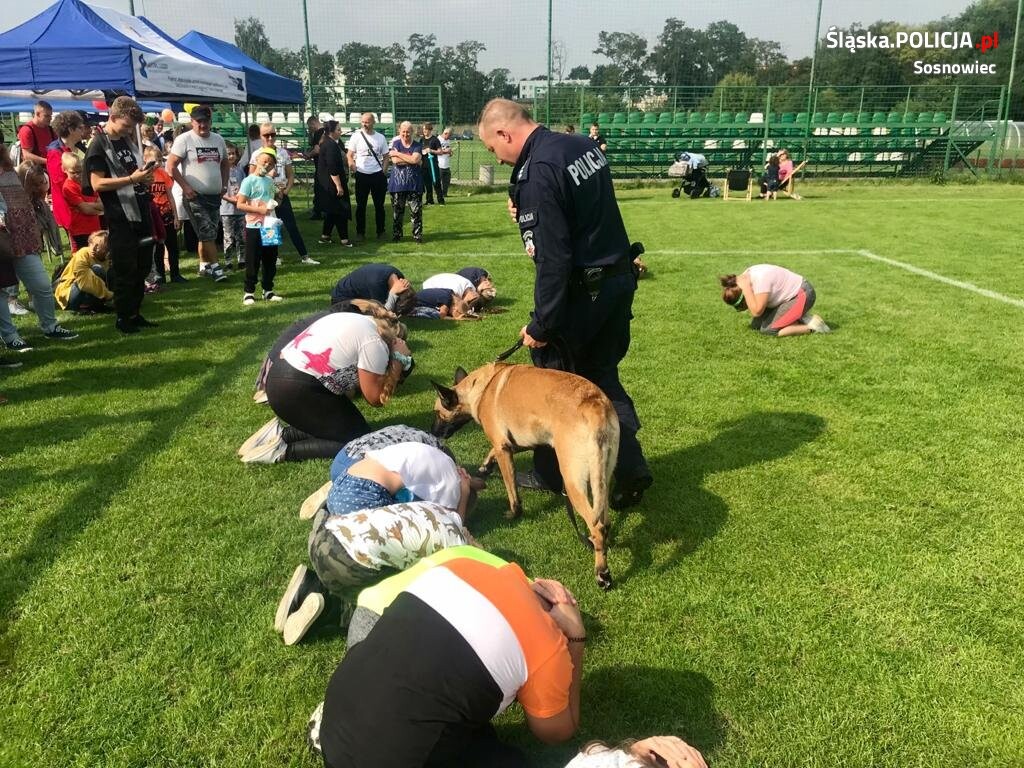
{"type": "Point", "coordinates": [509, 352]}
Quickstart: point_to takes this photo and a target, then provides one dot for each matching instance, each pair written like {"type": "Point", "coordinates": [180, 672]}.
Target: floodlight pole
{"type": "Point", "coordinates": [810, 84]}
{"type": "Point", "coordinates": [547, 95]}
{"type": "Point", "coordinates": [1013, 62]}
{"type": "Point", "coordinates": [309, 59]}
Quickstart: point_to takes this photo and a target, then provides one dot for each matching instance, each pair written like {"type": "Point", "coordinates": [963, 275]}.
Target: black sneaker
{"type": "Point", "coordinates": [61, 334]}
{"type": "Point", "coordinates": [142, 322]}
{"type": "Point", "coordinates": [629, 493]}
{"type": "Point", "coordinates": [19, 345]}
{"type": "Point", "coordinates": [9, 362]}
{"type": "Point", "coordinates": [125, 325]}
{"type": "Point", "coordinates": [179, 278]}
{"type": "Point", "coordinates": [533, 481]}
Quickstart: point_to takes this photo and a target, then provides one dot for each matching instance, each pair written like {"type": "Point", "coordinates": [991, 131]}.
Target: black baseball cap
{"type": "Point", "coordinates": [201, 113]}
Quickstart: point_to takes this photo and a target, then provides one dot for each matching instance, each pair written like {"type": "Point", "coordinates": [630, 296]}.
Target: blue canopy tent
{"type": "Point", "coordinates": [263, 85]}
{"type": "Point", "coordinates": [75, 47]}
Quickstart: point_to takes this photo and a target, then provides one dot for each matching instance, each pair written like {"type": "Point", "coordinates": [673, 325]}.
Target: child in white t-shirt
{"type": "Point", "coordinates": [398, 504]}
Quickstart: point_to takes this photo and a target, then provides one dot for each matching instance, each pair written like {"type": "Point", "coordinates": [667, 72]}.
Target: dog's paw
{"type": "Point", "coordinates": [604, 580]}
{"type": "Point", "coordinates": [514, 512]}
{"type": "Point", "coordinates": [485, 470]}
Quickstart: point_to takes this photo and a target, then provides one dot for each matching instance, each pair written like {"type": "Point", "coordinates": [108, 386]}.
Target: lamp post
{"type": "Point", "coordinates": [309, 59]}
{"type": "Point", "coordinates": [547, 95]}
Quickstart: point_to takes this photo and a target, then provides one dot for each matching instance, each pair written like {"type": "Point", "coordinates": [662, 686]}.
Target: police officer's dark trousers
{"type": "Point", "coordinates": [596, 338]}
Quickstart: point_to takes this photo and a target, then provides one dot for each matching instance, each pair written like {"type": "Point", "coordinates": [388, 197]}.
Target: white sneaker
{"type": "Point", "coordinates": [269, 431]}
{"type": "Point", "coordinates": [16, 307]}
{"type": "Point", "coordinates": [248, 299]}
{"type": "Point", "coordinates": [215, 271]}
{"type": "Point", "coordinates": [271, 296]}
{"type": "Point", "coordinates": [818, 325]}
{"type": "Point", "coordinates": [300, 621]}
{"type": "Point", "coordinates": [285, 606]}
{"type": "Point", "coordinates": [259, 396]}
{"type": "Point", "coordinates": [307, 260]}
{"type": "Point", "coordinates": [269, 452]}
{"type": "Point", "coordinates": [203, 271]}
{"type": "Point", "coordinates": [315, 501]}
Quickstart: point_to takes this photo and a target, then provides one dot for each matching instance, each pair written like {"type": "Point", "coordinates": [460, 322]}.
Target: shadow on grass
{"type": "Point", "coordinates": [634, 702]}
{"type": "Point", "coordinates": [678, 510]}
{"type": "Point", "coordinates": [69, 517]}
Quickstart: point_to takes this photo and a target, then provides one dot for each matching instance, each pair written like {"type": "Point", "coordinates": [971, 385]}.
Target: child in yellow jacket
{"type": "Point", "coordinates": [82, 285]}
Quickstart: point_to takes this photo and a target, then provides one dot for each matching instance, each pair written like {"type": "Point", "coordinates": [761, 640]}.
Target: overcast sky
{"type": "Point", "coordinates": [515, 33]}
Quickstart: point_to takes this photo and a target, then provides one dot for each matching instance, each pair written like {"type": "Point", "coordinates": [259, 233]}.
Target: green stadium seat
{"type": "Point", "coordinates": [635, 118]}
{"type": "Point", "coordinates": [864, 118]}
{"type": "Point", "coordinates": [848, 118]}
{"type": "Point", "coordinates": [894, 117]}
{"type": "Point", "coordinates": [742, 117]}
{"type": "Point", "coordinates": [586, 119]}
{"type": "Point", "coordinates": [940, 117]}
{"type": "Point", "coordinates": [878, 118]}
{"type": "Point", "coordinates": [832, 118]}
{"type": "Point", "coordinates": [712, 118]}
{"type": "Point", "coordinates": [619, 118]}
{"type": "Point", "coordinates": [604, 117]}
{"type": "Point", "coordinates": [788, 117]}
{"type": "Point", "coordinates": [650, 118]}
{"type": "Point", "coordinates": [924, 117]}
{"type": "Point", "coordinates": [801, 117]}
{"type": "Point", "coordinates": [665, 118]}
{"type": "Point", "coordinates": [681, 118]}
{"type": "Point", "coordinates": [818, 118]}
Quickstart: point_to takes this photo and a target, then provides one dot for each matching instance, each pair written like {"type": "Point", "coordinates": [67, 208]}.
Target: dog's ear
{"type": "Point", "coordinates": [460, 374]}
{"type": "Point", "coordinates": [449, 397]}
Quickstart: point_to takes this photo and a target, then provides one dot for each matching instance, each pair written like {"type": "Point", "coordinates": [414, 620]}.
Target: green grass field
{"type": "Point", "coordinates": [827, 572]}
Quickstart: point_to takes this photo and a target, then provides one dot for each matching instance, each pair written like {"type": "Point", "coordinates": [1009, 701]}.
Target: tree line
{"type": "Point", "coordinates": [718, 58]}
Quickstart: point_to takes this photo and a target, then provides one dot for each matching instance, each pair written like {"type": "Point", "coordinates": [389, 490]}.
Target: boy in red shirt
{"type": "Point", "coordinates": [85, 209]}
{"type": "Point", "coordinates": [160, 189]}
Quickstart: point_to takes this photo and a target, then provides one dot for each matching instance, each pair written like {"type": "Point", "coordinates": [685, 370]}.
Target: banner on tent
{"type": "Point", "coordinates": [157, 73]}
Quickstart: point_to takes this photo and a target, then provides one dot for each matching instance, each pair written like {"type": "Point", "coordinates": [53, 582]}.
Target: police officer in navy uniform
{"type": "Point", "coordinates": [562, 198]}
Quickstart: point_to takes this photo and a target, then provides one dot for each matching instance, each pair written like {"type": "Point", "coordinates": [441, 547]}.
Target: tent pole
{"type": "Point", "coordinates": [131, 7]}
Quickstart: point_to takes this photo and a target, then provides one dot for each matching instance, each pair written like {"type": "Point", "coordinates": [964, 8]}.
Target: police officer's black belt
{"type": "Point", "coordinates": [620, 268]}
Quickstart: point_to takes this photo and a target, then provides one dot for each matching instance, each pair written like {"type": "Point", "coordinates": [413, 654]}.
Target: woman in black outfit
{"type": "Point", "coordinates": [332, 183]}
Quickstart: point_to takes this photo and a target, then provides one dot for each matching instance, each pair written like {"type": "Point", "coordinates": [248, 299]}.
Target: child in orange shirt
{"type": "Point", "coordinates": [160, 189]}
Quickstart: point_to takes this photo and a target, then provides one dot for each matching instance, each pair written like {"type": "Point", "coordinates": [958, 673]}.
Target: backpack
{"type": "Point", "coordinates": [16, 148]}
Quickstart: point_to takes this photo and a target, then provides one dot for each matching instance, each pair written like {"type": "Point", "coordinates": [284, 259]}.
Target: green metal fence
{"type": "Point", "coordinates": [391, 103]}
{"type": "Point", "coordinates": [838, 130]}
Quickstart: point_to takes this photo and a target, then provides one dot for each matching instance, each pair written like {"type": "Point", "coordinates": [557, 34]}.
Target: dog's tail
{"type": "Point", "coordinates": [601, 472]}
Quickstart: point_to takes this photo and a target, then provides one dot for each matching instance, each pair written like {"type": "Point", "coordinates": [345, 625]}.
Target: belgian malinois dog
{"type": "Point", "coordinates": [521, 407]}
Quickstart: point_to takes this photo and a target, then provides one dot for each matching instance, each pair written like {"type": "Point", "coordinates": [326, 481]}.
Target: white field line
{"type": "Point", "coordinates": [961, 284]}
{"type": "Point", "coordinates": [943, 279]}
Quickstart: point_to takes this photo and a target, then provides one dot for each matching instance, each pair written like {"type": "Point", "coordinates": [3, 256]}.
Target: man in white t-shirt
{"type": "Point", "coordinates": [198, 162]}
{"type": "Point", "coordinates": [444, 160]}
{"type": "Point", "coordinates": [284, 179]}
{"type": "Point", "coordinates": [368, 160]}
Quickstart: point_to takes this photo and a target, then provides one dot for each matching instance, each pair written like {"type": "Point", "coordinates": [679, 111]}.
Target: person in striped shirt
{"type": "Point", "coordinates": [459, 643]}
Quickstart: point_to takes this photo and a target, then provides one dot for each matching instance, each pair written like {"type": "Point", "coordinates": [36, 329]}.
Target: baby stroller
{"type": "Point", "coordinates": [692, 171]}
